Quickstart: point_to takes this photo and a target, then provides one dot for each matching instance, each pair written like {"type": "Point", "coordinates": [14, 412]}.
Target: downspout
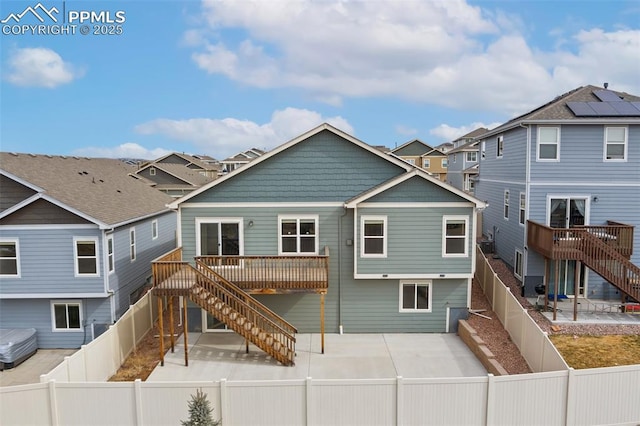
{"type": "Point", "coordinates": [345, 211]}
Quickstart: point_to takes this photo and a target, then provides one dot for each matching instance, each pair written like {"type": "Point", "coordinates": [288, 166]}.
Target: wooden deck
{"type": "Point", "coordinates": [253, 274]}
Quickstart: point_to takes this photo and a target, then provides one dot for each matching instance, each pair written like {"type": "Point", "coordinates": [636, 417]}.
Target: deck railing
{"type": "Point", "coordinates": [272, 273]}
{"type": "Point", "coordinates": [562, 243]}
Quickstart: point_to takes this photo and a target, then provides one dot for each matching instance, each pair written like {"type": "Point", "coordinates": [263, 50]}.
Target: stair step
{"type": "Point", "coordinates": [233, 316]}
{"type": "Point", "coordinates": [255, 331]}
{"type": "Point", "coordinates": [241, 320]}
{"type": "Point", "coordinates": [248, 325]}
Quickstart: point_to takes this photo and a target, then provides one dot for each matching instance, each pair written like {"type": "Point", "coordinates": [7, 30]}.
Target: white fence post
{"type": "Point", "coordinates": [53, 403]}
{"type": "Point", "coordinates": [399, 398]}
{"type": "Point", "coordinates": [137, 388]}
{"type": "Point", "coordinates": [490, 400]}
{"type": "Point", "coordinates": [570, 406]}
{"type": "Point", "coordinates": [224, 400]}
{"type": "Point", "coordinates": [309, 401]}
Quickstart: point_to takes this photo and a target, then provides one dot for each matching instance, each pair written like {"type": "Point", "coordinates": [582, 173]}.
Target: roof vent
{"type": "Point", "coordinates": [606, 85]}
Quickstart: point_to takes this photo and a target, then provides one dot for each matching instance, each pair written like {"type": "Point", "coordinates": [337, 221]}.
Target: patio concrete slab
{"type": "Point", "coordinates": [214, 356]}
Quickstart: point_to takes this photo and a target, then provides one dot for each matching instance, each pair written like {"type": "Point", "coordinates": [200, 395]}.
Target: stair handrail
{"type": "Point", "coordinates": [251, 315]}
{"type": "Point", "coordinates": [238, 293]}
{"type": "Point", "coordinates": [629, 274]}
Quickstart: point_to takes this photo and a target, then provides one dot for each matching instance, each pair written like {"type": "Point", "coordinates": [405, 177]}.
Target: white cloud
{"type": "Point", "coordinates": [125, 150]}
{"type": "Point", "coordinates": [445, 53]}
{"type": "Point", "coordinates": [406, 131]}
{"type": "Point", "coordinates": [448, 133]}
{"type": "Point", "coordinates": [224, 137]}
{"type": "Point", "coordinates": [40, 67]}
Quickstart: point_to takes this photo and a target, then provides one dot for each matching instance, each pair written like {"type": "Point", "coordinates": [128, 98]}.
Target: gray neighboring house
{"type": "Point", "coordinates": [573, 162]}
{"type": "Point", "coordinates": [400, 243]}
{"type": "Point", "coordinates": [178, 174]}
{"type": "Point", "coordinates": [463, 161]}
{"type": "Point", "coordinates": [77, 237]}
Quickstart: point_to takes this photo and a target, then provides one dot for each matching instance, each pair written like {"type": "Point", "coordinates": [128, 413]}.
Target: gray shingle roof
{"type": "Point", "coordinates": [98, 187]}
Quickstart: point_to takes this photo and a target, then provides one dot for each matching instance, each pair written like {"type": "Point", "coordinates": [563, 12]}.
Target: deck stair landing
{"type": "Point", "coordinates": [243, 314]}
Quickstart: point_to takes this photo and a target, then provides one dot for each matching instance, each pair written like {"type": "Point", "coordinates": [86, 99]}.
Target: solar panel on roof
{"type": "Point", "coordinates": [581, 109]}
{"type": "Point", "coordinates": [626, 108]}
{"type": "Point", "coordinates": [607, 96]}
{"type": "Point", "coordinates": [603, 108]}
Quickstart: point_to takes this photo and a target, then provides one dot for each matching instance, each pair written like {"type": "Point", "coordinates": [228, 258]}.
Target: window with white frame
{"type": "Point", "coordinates": [86, 256]}
{"type": "Point", "coordinates": [454, 157]}
{"type": "Point", "coordinates": [523, 205]}
{"type": "Point", "coordinates": [472, 157]}
{"type": "Point", "coordinates": [426, 163]}
{"type": "Point", "coordinates": [499, 146]}
{"type": "Point", "coordinates": [66, 316]}
{"type": "Point", "coordinates": [506, 204]}
{"type": "Point", "coordinates": [445, 163]}
{"type": "Point", "coordinates": [132, 244]}
{"type": "Point", "coordinates": [298, 235]}
{"type": "Point", "coordinates": [455, 238]}
{"type": "Point", "coordinates": [154, 229]}
{"type": "Point", "coordinates": [9, 258]}
{"type": "Point", "coordinates": [483, 149]}
{"type": "Point", "coordinates": [111, 263]}
{"type": "Point", "coordinates": [152, 171]}
{"type": "Point", "coordinates": [548, 143]}
{"type": "Point", "coordinates": [415, 296]}
{"type": "Point", "coordinates": [615, 143]}
{"type": "Point", "coordinates": [517, 265]}
{"type": "Point", "coordinates": [411, 161]}
{"type": "Point", "coordinates": [374, 236]}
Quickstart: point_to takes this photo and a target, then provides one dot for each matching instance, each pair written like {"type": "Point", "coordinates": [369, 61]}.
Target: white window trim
{"type": "Point", "coordinates": [53, 316]}
{"type": "Point", "coordinates": [152, 171]}
{"type": "Point", "coordinates": [522, 208]}
{"type": "Point", "coordinates": [219, 221]}
{"type": "Point", "coordinates": [133, 254]}
{"type": "Point", "coordinates": [557, 144]}
{"type": "Point", "coordinates": [506, 201]}
{"type": "Point", "coordinates": [515, 263]}
{"type": "Point", "coordinates": [17, 245]}
{"type": "Point", "coordinates": [468, 154]}
{"type": "Point", "coordinates": [364, 219]}
{"type": "Point", "coordinates": [606, 143]}
{"type": "Point", "coordinates": [428, 283]}
{"type": "Point", "coordinates": [111, 256]}
{"type": "Point", "coordinates": [445, 219]}
{"type": "Point", "coordinates": [426, 163]}
{"type": "Point", "coordinates": [154, 229]}
{"type": "Point", "coordinates": [445, 163]}
{"type": "Point", "coordinates": [499, 144]}
{"type": "Point", "coordinates": [298, 218]}
{"type": "Point", "coordinates": [76, 240]}
{"type": "Point", "coordinates": [483, 149]}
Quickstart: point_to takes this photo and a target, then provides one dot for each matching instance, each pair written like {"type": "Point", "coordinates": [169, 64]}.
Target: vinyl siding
{"type": "Point", "coordinates": [324, 167]}
{"type": "Point", "coordinates": [36, 313]}
{"type": "Point", "coordinates": [42, 212]}
{"type": "Point", "coordinates": [414, 243]}
{"type": "Point", "coordinates": [47, 262]}
{"type": "Point", "coordinates": [12, 193]}
{"type": "Point", "coordinates": [129, 276]}
{"type": "Point", "coordinates": [416, 190]}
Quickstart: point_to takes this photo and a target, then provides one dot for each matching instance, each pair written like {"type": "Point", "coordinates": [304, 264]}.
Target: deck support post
{"type": "Point", "coordinates": [547, 274]}
{"type": "Point", "coordinates": [246, 342]}
{"type": "Point", "coordinates": [322, 322]}
{"type": "Point", "coordinates": [555, 289]}
{"type": "Point", "coordinates": [185, 332]}
{"type": "Point", "coordinates": [161, 330]}
{"type": "Point", "coordinates": [171, 331]}
{"type": "Point", "coordinates": [576, 290]}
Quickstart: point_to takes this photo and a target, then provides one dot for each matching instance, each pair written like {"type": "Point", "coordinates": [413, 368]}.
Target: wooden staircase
{"type": "Point", "coordinates": [607, 262]}
{"type": "Point", "coordinates": [243, 314]}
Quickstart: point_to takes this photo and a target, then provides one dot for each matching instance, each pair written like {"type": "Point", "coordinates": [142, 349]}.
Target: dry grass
{"type": "Point", "coordinates": [598, 351]}
{"type": "Point", "coordinates": [141, 363]}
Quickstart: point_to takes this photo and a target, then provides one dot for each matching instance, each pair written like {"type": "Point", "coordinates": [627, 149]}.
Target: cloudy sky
{"type": "Point", "coordinates": [219, 77]}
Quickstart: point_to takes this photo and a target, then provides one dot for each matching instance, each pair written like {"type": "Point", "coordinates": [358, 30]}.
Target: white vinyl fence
{"type": "Point", "coordinates": [534, 344]}
{"type": "Point", "coordinates": [570, 397]}
{"type": "Point", "coordinates": [102, 357]}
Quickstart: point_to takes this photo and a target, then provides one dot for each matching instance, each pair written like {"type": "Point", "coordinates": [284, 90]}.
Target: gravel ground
{"type": "Point", "coordinates": [497, 338]}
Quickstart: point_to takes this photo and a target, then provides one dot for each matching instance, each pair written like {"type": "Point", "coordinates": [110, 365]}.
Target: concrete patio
{"type": "Point", "coordinates": [213, 356]}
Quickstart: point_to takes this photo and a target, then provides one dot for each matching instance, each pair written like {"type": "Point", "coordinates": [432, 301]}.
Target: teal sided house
{"type": "Point", "coordinates": [324, 233]}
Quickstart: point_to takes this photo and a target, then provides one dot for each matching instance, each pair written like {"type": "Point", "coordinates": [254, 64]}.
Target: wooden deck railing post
{"type": "Point", "coordinates": [161, 330]}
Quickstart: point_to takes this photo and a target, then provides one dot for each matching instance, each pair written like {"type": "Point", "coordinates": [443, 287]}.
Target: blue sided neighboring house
{"type": "Point", "coordinates": [77, 237]}
{"type": "Point", "coordinates": [330, 234]}
{"type": "Point", "coordinates": [563, 186]}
